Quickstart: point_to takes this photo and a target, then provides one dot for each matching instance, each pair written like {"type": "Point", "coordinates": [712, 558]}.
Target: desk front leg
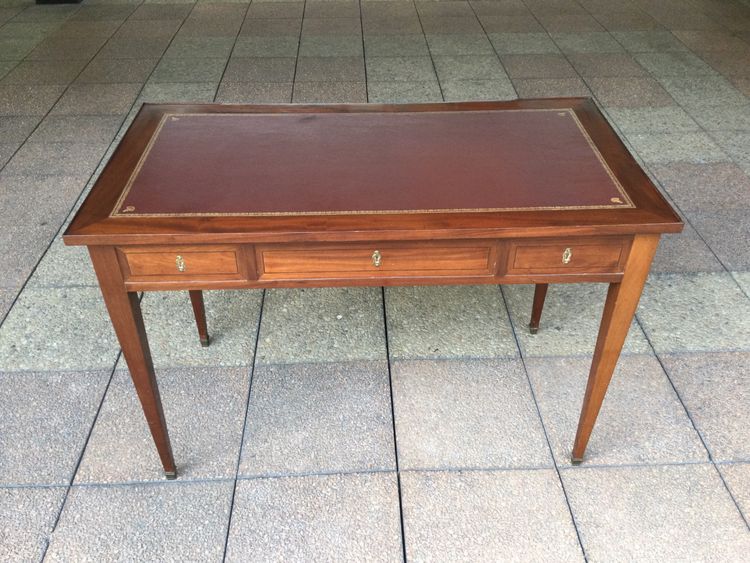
{"type": "Point", "coordinates": [127, 320]}
{"type": "Point", "coordinates": [619, 309]}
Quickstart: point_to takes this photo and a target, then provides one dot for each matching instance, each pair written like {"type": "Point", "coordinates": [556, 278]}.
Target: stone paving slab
{"type": "Point", "coordinates": [737, 478]}
{"type": "Point", "coordinates": [731, 248]}
{"type": "Point", "coordinates": [487, 516]}
{"type": "Point", "coordinates": [20, 249]}
{"type": "Point", "coordinates": [448, 322]}
{"type": "Point", "coordinates": [468, 67]}
{"type": "Point", "coordinates": [45, 72]}
{"type": "Point", "coordinates": [522, 43]}
{"type": "Point", "coordinates": [716, 391]}
{"type": "Point", "coordinates": [676, 512]}
{"type": "Point", "coordinates": [263, 46]}
{"type": "Point", "coordinates": [323, 517]}
{"type": "Point", "coordinates": [7, 296]}
{"type": "Point", "coordinates": [58, 329]}
{"type": "Point", "coordinates": [77, 129]}
{"type": "Point", "coordinates": [459, 44]}
{"type": "Point", "coordinates": [477, 89]}
{"type": "Point", "coordinates": [177, 92]}
{"type": "Point", "coordinates": [204, 409]}
{"type": "Point", "coordinates": [330, 92]}
{"type": "Point", "coordinates": [232, 319]}
{"type": "Point", "coordinates": [103, 69]}
{"type": "Point", "coordinates": [664, 119]}
{"type": "Point", "coordinates": [404, 92]}
{"type": "Point", "coordinates": [254, 92]}
{"type": "Point", "coordinates": [692, 90]}
{"type": "Point", "coordinates": [322, 325]}
{"type": "Point", "coordinates": [694, 147]}
{"type": "Point", "coordinates": [551, 87]}
{"type": "Point", "coordinates": [734, 117]}
{"type": "Point", "coordinates": [475, 414]}
{"type": "Point", "coordinates": [97, 99]}
{"type": "Point", "coordinates": [685, 252]}
{"type": "Point", "coordinates": [27, 516]}
{"type": "Point", "coordinates": [641, 421]}
{"type": "Point", "coordinates": [319, 418]}
{"type": "Point", "coordinates": [743, 279]}
{"type": "Point", "coordinates": [64, 266]}
{"type": "Point", "coordinates": [395, 45]}
{"type": "Point", "coordinates": [696, 312]}
{"type": "Point", "coordinates": [71, 159]}
{"type": "Point", "coordinates": [705, 187]}
{"type": "Point", "coordinates": [45, 424]}
{"type": "Point", "coordinates": [189, 70]}
{"type": "Point", "coordinates": [143, 522]}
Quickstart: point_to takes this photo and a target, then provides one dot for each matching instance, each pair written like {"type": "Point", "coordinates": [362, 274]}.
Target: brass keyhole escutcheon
{"type": "Point", "coordinates": [180, 261]}
{"type": "Point", "coordinates": [376, 258]}
{"type": "Point", "coordinates": [567, 255]}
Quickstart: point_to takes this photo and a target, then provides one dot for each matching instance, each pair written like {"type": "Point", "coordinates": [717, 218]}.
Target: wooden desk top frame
{"type": "Point", "coordinates": [153, 246]}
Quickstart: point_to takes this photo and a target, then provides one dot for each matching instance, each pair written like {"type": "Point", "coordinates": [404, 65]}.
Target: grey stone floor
{"type": "Point", "coordinates": [362, 424]}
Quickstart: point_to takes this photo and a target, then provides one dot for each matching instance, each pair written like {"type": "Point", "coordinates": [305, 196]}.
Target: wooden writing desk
{"type": "Point", "coordinates": [214, 197]}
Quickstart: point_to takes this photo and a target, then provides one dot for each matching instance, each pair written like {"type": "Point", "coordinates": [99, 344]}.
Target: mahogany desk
{"type": "Point", "coordinates": [218, 196]}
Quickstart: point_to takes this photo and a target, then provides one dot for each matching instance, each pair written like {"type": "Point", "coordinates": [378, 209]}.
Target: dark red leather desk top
{"type": "Point", "coordinates": [213, 173]}
{"type": "Point", "coordinates": [339, 163]}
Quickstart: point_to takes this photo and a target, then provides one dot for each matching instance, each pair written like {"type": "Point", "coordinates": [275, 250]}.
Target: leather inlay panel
{"type": "Point", "coordinates": [348, 163]}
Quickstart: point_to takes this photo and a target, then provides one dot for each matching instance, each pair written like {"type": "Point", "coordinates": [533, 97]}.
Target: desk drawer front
{"type": "Point", "coordinates": [376, 260]}
{"type": "Point", "coordinates": [183, 262]}
{"type": "Point", "coordinates": [575, 256]}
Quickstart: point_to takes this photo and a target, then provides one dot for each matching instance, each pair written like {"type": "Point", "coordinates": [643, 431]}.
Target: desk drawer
{"type": "Point", "coordinates": [182, 262]}
{"type": "Point", "coordinates": [376, 260]}
{"type": "Point", "coordinates": [600, 255]}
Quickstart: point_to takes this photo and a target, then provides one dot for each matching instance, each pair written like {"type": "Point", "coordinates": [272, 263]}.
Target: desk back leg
{"type": "Point", "coordinates": [540, 293]}
{"type": "Point", "coordinates": [127, 320]}
{"type": "Point", "coordinates": [196, 299]}
{"type": "Point", "coordinates": [621, 304]}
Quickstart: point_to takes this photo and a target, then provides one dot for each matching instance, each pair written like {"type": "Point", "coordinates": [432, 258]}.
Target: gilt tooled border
{"type": "Point", "coordinates": [118, 212]}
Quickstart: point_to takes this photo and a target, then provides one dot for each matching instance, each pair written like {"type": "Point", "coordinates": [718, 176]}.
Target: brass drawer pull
{"type": "Point", "coordinates": [567, 255]}
{"type": "Point", "coordinates": [376, 258]}
{"type": "Point", "coordinates": [180, 261]}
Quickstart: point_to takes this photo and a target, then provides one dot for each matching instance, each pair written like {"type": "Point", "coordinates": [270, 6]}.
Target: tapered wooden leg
{"type": "Point", "coordinates": [622, 301]}
{"type": "Point", "coordinates": [540, 292]}
{"type": "Point", "coordinates": [125, 312]}
{"type": "Point", "coordinates": [196, 299]}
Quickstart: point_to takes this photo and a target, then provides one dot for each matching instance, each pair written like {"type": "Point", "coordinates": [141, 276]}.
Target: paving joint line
{"type": "Point", "coordinates": [364, 52]}
{"type": "Point", "coordinates": [52, 31]}
{"type": "Point", "coordinates": [393, 423]}
{"type": "Point", "coordinates": [429, 51]}
{"type": "Point", "coordinates": [299, 48]}
{"type": "Point", "coordinates": [231, 51]}
{"type": "Point", "coordinates": [64, 223]}
{"type": "Point", "coordinates": [494, 50]}
{"type": "Point", "coordinates": [71, 483]}
{"type": "Point", "coordinates": [244, 422]}
{"type": "Point", "coordinates": [69, 486]}
{"type": "Point", "coordinates": [544, 427]}
{"type": "Point", "coordinates": [87, 187]}
{"type": "Point", "coordinates": [695, 427]}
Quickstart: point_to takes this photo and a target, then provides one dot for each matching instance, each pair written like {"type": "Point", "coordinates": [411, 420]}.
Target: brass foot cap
{"type": "Point", "coordinates": [533, 329]}
{"type": "Point", "coordinates": [576, 460]}
{"type": "Point", "coordinates": [205, 342]}
{"type": "Point", "coordinates": [170, 475]}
